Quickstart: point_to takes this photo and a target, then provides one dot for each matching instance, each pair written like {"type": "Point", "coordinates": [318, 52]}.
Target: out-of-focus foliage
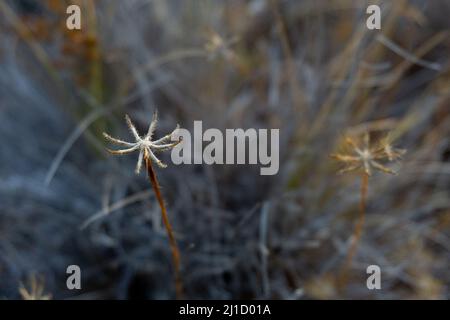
{"type": "Point", "coordinates": [310, 68]}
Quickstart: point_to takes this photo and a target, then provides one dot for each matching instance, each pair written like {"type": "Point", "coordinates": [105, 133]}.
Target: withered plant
{"type": "Point", "coordinates": [363, 158]}
{"type": "Point", "coordinates": [146, 147]}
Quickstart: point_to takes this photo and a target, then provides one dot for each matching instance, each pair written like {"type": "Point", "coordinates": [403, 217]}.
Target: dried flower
{"type": "Point", "coordinates": [145, 145]}
{"type": "Point", "coordinates": [368, 157]}
{"type": "Point", "coordinates": [365, 157]}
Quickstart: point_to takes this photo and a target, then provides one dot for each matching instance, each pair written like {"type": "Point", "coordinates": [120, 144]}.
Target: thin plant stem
{"type": "Point", "coordinates": [170, 234]}
{"type": "Point", "coordinates": [357, 230]}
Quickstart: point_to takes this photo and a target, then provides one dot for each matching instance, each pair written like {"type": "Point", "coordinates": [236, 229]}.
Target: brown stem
{"type": "Point", "coordinates": [170, 234]}
{"type": "Point", "coordinates": [357, 231]}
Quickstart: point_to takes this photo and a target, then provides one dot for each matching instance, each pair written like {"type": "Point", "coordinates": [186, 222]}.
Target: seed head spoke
{"type": "Point", "coordinates": [139, 163]}
{"type": "Point", "coordinates": [352, 144]}
{"type": "Point", "coordinates": [123, 151]}
{"type": "Point", "coordinates": [156, 160]}
{"type": "Point", "coordinates": [345, 158]}
{"type": "Point", "coordinates": [349, 168]}
{"type": "Point", "coordinates": [162, 147]}
{"type": "Point", "coordinates": [382, 168]}
{"type": "Point", "coordinates": [366, 139]}
{"type": "Point", "coordinates": [118, 141]}
{"type": "Point", "coordinates": [167, 137]}
{"type": "Point", "coordinates": [132, 128]}
{"type": "Point", "coordinates": [152, 127]}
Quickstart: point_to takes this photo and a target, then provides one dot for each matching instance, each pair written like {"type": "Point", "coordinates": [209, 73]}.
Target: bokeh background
{"type": "Point", "coordinates": [308, 67]}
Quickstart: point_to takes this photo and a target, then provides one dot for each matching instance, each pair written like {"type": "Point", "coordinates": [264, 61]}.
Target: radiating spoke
{"type": "Point", "coordinates": [118, 141]}
{"type": "Point", "coordinates": [350, 168]}
{"type": "Point", "coordinates": [123, 151]}
{"type": "Point", "coordinates": [167, 137]}
{"type": "Point", "coordinates": [132, 128]}
{"type": "Point", "coordinates": [152, 127]}
{"type": "Point", "coordinates": [163, 147]}
{"type": "Point", "coordinates": [382, 168]}
{"type": "Point", "coordinates": [139, 163]}
{"type": "Point", "coordinates": [156, 160]}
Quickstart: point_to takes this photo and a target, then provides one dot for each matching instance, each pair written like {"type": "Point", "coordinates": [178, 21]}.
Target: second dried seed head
{"type": "Point", "coordinates": [367, 156]}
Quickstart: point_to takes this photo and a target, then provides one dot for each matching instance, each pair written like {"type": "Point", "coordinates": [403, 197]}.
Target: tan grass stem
{"type": "Point", "coordinates": [173, 243]}
{"type": "Point", "coordinates": [357, 232]}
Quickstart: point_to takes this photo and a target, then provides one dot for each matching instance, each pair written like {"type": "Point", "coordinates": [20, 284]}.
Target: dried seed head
{"type": "Point", "coordinates": [367, 156]}
{"type": "Point", "coordinates": [145, 145]}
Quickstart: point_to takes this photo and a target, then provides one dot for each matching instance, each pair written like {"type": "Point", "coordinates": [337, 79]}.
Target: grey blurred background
{"type": "Point", "coordinates": [310, 68]}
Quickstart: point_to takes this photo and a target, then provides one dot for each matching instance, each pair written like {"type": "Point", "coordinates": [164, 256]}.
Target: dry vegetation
{"type": "Point", "coordinates": [310, 68]}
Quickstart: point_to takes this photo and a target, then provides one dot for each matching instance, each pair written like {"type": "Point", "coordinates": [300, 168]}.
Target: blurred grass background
{"type": "Point", "coordinates": [308, 67]}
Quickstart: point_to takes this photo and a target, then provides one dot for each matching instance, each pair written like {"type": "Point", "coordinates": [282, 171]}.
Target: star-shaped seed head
{"type": "Point", "coordinates": [367, 157]}
{"type": "Point", "coordinates": [145, 144]}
